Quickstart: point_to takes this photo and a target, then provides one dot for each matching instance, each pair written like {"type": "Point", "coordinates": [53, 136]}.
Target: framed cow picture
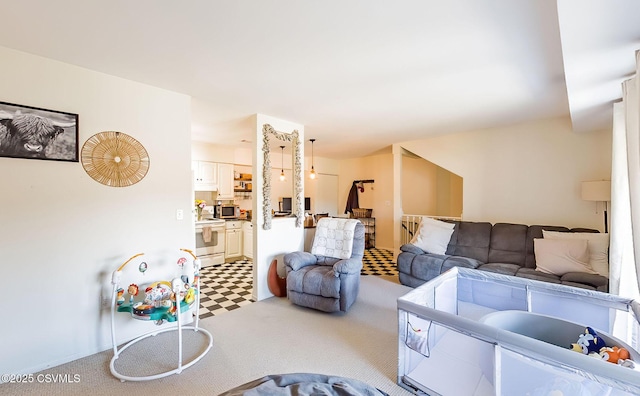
{"type": "Point", "coordinates": [34, 133]}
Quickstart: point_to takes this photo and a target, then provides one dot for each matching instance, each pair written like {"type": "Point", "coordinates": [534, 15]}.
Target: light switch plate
{"type": "Point", "coordinates": [179, 214]}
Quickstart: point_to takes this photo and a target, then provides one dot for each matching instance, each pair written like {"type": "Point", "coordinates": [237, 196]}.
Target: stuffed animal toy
{"type": "Point", "coordinates": [614, 354]}
{"type": "Point", "coordinates": [629, 363]}
{"type": "Point", "coordinates": [588, 342]}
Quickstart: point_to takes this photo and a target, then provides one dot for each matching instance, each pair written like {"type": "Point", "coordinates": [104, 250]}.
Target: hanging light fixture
{"type": "Point", "coordinates": [282, 163]}
{"type": "Point", "coordinates": [312, 174]}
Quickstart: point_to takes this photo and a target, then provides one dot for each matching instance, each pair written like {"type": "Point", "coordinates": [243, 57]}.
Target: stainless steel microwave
{"type": "Point", "coordinates": [227, 211]}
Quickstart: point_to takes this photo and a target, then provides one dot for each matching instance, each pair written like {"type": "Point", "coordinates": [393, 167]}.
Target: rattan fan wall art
{"type": "Point", "coordinates": [114, 159]}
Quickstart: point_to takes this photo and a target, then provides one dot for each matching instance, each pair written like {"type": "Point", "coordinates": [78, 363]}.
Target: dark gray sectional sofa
{"type": "Point", "coordinates": [501, 248]}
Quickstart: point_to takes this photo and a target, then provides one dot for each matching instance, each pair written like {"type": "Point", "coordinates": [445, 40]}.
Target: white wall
{"type": "Point", "coordinates": [202, 151]}
{"type": "Point", "coordinates": [528, 173]}
{"type": "Point", "coordinates": [284, 236]}
{"type": "Point", "coordinates": [63, 233]}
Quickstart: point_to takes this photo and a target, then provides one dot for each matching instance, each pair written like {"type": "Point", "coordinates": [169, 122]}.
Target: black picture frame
{"type": "Point", "coordinates": [36, 133]}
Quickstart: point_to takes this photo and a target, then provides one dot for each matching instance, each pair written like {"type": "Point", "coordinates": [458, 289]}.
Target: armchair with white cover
{"type": "Point", "coordinates": [328, 278]}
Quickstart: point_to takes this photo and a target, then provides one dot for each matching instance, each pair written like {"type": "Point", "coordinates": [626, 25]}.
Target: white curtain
{"type": "Point", "coordinates": [624, 270]}
{"type": "Point", "coordinates": [625, 192]}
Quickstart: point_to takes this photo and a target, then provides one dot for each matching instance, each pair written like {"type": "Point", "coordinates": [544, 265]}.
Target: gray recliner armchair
{"type": "Point", "coordinates": [328, 278]}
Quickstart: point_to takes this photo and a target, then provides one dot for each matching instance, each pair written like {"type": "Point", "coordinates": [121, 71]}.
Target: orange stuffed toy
{"type": "Point", "coordinates": [614, 354]}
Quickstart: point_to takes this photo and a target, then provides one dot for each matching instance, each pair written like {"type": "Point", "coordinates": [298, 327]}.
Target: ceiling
{"type": "Point", "coordinates": [358, 74]}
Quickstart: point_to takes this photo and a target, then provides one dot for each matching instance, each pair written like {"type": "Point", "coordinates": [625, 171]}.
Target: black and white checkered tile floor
{"type": "Point", "coordinates": [378, 262]}
{"type": "Point", "coordinates": [225, 287]}
{"type": "Point", "coordinates": [229, 286]}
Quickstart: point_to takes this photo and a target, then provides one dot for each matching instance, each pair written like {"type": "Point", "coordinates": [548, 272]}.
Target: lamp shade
{"type": "Point", "coordinates": [599, 190]}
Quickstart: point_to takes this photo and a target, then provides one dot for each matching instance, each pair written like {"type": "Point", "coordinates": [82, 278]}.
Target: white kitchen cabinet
{"type": "Point", "coordinates": [206, 176]}
{"type": "Point", "coordinates": [233, 239]}
{"type": "Point", "coordinates": [225, 181]}
{"type": "Point", "coordinates": [214, 176]}
{"type": "Point", "coordinates": [232, 243]}
{"type": "Point", "coordinates": [247, 239]}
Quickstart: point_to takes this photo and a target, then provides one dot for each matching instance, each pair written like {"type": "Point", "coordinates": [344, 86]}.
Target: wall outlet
{"type": "Point", "coordinates": [179, 214]}
{"type": "Point", "coordinates": [105, 302]}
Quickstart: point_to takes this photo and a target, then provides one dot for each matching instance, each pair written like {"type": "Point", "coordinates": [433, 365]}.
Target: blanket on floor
{"type": "Point", "coordinates": [303, 384]}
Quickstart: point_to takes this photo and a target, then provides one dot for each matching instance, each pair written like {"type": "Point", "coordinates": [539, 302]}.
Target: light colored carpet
{"type": "Point", "coordinates": [271, 336]}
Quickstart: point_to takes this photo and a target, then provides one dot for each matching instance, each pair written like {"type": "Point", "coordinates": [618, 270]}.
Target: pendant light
{"type": "Point", "coordinates": [312, 174]}
{"type": "Point", "coordinates": [282, 163]}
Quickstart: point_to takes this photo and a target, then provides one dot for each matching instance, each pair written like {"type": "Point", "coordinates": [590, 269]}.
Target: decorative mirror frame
{"type": "Point", "coordinates": [267, 131]}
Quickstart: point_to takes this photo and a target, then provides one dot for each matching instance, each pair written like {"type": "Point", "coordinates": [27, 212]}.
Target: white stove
{"type": "Point", "coordinates": [210, 235]}
{"type": "Point", "coordinates": [211, 222]}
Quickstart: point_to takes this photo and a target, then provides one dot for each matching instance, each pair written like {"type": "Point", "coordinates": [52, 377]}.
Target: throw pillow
{"type": "Point", "coordinates": [557, 256]}
{"type": "Point", "coordinates": [433, 235]}
{"type": "Point", "coordinates": [598, 247]}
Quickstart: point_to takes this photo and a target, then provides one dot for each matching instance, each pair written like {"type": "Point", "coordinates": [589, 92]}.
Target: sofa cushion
{"type": "Point", "coordinates": [596, 280]}
{"type": "Point", "coordinates": [580, 285]}
{"type": "Point", "coordinates": [410, 248]}
{"type": "Point", "coordinates": [460, 261]}
{"type": "Point", "coordinates": [317, 280]}
{"type": "Point", "coordinates": [559, 256]}
{"type": "Point", "coordinates": [433, 235]}
{"type": "Point", "coordinates": [501, 268]}
{"type": "Point", "coordinates": [530, 273]}
{"type": "Point", "coordinates": [470, 239]}
{"type": "Point", "coordinates": [404, 261]}
{"type": "Point", "coordinates": [425, 266]}
{"type": "Point", "coordinates": [508, 243]}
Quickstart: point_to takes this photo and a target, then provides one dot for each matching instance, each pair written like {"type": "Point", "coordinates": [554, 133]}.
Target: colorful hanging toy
{"type": "Point", "coordinates": [133, 291]}
{"type": "Point", "coordinates": [120, 299]}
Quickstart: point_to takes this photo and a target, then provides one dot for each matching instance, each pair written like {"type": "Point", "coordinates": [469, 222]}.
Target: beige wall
{"type": "Point", "coordinates": [454, 204]}
{"type": "Point", "coordinates": [378, 195]}
{"type": "Point", "coordinates": [529, 173]}
{"type": "Point", "coordinates": [428, 189]}
{"type": "Point", "coordinates": [62, 233]}
{"type": "Point", "coordinates": [419, 186]}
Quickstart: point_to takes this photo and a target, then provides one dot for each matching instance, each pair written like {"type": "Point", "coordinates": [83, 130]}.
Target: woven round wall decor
{"type": "Point", "coordinates": [114, 159]}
